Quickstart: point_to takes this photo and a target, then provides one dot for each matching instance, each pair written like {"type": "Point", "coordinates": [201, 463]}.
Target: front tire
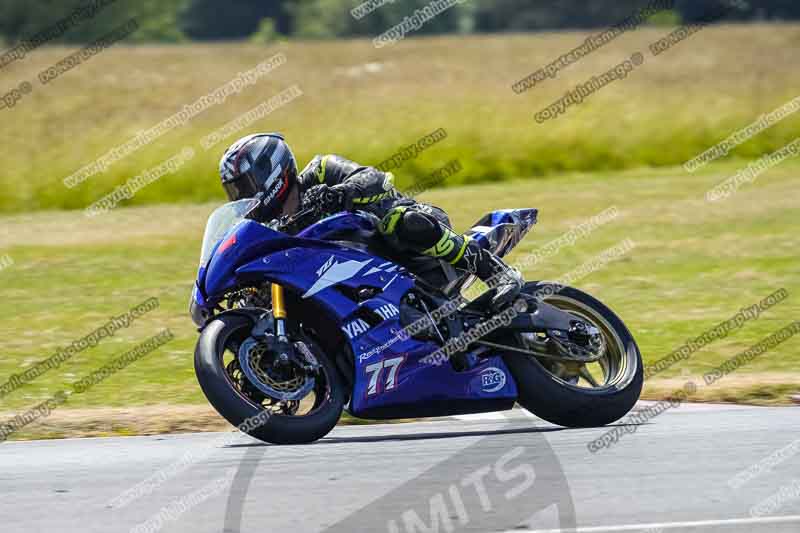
{"type": "Point", "coordinates": [236, 407]}
{"type": "Point", "coordinates": [562, 402]}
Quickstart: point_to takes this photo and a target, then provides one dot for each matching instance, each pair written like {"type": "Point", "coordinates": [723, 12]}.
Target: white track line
{"type": "Point", "coordinates": [671, 525]}
{"type": "Point", "coordinates": [494, 415]}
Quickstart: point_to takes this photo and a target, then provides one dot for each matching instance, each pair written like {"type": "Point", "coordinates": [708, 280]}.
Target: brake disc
{"type": "Point", "coordinates": [254, 360]}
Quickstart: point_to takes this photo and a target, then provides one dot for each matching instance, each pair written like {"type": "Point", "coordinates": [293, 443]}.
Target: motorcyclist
{"type": "Point", "coordinates": [263, 165]}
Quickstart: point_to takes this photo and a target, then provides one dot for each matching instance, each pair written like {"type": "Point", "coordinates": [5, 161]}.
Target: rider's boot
{"type": "Point", "coordinates": [489, 268]}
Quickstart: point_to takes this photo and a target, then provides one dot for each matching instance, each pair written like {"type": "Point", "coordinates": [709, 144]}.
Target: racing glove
{"type": "Point", "coordinates": [327, 200]}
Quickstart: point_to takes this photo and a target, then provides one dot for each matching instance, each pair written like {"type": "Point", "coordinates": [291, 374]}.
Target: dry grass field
{"type": "Point", "coordinates": [367, 103]}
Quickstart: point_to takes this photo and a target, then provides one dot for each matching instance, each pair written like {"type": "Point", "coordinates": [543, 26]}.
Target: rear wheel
{"type": "Point", "coordinates": [573, 394]}
{"type": "Point", "coordinates": [232, 393]}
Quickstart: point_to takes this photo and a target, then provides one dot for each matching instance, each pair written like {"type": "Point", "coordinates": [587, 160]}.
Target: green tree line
{"type": "Point", "coordinates": [208, 20]}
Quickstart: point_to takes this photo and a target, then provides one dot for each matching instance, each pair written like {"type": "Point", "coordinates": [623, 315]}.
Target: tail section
{"type": "Point", "coordinates": [500, 231]}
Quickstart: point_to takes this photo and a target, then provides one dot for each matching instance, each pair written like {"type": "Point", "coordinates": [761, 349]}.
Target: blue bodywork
{"type": "Point", "coordinates": [390, 380]}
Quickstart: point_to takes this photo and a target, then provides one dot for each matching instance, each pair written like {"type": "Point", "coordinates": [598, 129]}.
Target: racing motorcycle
{"type": "Point", "coordinates": [300, 319]}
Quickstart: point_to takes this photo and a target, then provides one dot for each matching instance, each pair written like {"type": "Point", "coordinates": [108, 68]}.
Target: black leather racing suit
{"type": "Point", "coordinates": [408, 225]}
{"type": "Point", "coordinates": [405, 223]}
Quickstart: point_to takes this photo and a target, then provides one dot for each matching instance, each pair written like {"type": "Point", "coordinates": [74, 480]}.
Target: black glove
{"type": "Point", "coordinates": [325, 200]}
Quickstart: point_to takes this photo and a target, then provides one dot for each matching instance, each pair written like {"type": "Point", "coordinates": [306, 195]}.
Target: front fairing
{"type": "Point", "coordinates": [249, 240]}
{"type": "Point", "coordinates": [197, 307]}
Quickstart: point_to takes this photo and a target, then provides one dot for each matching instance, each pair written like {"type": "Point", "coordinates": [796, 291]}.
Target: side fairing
{"type": "Point", "coordinates": [394, 381]}
{"type": "Point", "coordinates": [332, 276]}
{"type": "Point", "coordinates": [390, 378]}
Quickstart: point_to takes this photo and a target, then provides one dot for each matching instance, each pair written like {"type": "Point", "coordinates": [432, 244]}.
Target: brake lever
{"type": "Point", "coordinates": [293, 224]}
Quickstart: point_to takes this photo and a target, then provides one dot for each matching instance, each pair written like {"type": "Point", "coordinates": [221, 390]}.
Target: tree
{"type": "Point", "coordinates": [699, 10]}
{"type": "Point", "coordinates": [232, 19]}
{"type": "Point", "coordinates": [170, 20]}
{"type": "Point", "coordinates": [523, 15]}
{"type": "Point", "coordinates": [333, 18]}
{"type": "Point", "coordinates": [23, 19]}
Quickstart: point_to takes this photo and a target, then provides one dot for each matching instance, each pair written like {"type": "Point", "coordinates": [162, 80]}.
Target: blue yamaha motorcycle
{"type": "Point", "coordinates": [301, 320]}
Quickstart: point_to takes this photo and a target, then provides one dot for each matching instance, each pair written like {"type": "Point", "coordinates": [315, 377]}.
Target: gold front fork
{"type": "Point", "coordinates": [278, 303]}
{"type": "Point", "coordinates": [279, 313]}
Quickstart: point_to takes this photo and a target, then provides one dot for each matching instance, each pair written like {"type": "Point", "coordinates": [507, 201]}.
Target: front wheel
{"type": "Point", "coordinates": [217, 365]}
{"type": "Point", "coordinates": [575, 394]}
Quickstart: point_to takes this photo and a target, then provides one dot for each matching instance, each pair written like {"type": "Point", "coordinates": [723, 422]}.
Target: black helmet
{"type": "Point", "coordinates": [259, 163]}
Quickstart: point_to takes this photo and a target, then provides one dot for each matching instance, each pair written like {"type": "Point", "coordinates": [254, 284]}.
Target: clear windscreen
{"type": "Point", "coordinates": [221, 221]}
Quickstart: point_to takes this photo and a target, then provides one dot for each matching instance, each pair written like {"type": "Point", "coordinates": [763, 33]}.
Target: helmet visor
{"type": "Point", "coordinates": [241, 187]}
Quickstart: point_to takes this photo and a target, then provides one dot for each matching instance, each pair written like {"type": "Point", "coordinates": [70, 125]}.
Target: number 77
{"type": "Point", "coordinates": [376, 369]}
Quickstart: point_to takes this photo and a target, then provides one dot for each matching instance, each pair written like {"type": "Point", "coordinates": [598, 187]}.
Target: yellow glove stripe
{"type": "Point", "coordinates": [389, 222]}
{"type": "Point", "coordinates": [460, 253]}
{"type": "Point", "coordinates": [322, 169]}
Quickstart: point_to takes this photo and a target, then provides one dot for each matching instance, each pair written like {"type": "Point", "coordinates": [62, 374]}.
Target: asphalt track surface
{"type": "Point", "coordinates": [671, 474]}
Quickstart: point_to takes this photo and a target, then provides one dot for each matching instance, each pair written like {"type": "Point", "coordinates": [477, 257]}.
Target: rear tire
{"type": "Point", "coordinates": [236, 408]}
{"type": "Point", "coordinates": [554, 400]}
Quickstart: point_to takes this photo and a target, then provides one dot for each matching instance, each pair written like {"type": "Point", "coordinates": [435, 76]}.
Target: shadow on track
{"type": "Point", "coordinates": [415, 436]}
